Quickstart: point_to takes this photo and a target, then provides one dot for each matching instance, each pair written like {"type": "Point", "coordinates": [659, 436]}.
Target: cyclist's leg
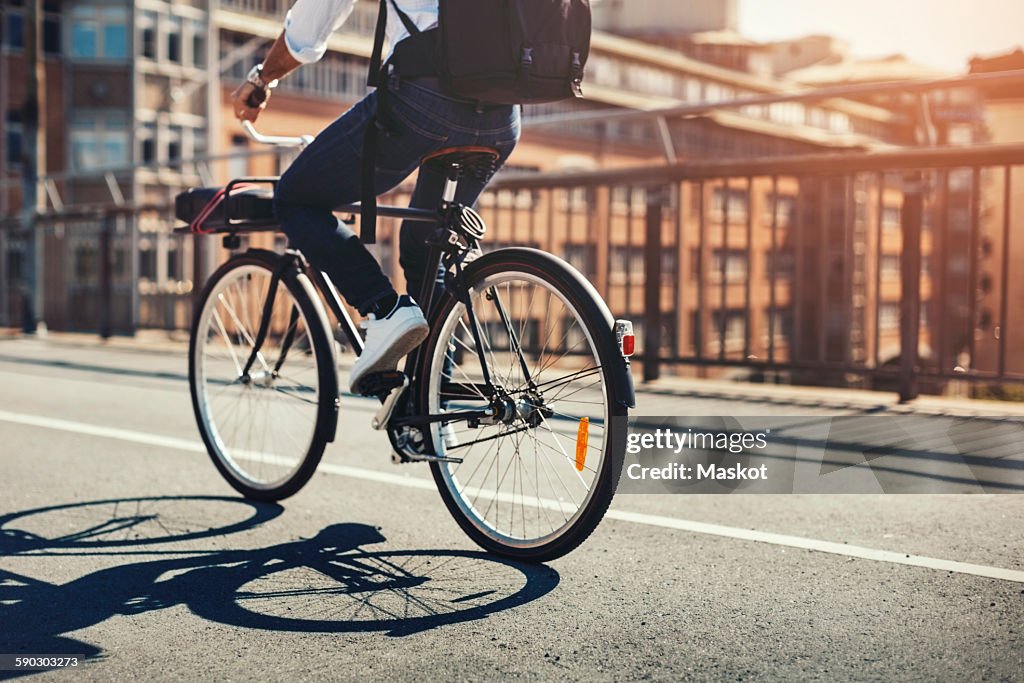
{"type": "Point", "coordinates": [326, 174]}
{"type": "Point", "coordinates": [429, 186]}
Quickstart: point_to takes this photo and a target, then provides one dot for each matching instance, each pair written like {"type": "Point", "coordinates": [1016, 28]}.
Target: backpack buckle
{"type": "Point", "coordinates": [526, 58]}
{"type": "Point", "coordinates": [577, 66]}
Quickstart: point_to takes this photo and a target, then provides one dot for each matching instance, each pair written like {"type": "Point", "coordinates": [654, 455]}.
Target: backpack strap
{"type": "Point", "coordinates": [368, 202]}
{"type": "Point", "coordinates": [375, 79]}
{"type": "Point", "coordinates": [406, 21]}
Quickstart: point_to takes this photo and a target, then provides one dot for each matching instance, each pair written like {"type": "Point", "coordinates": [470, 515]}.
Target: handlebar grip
{"type": "Point", "coordinates": [256, 98]}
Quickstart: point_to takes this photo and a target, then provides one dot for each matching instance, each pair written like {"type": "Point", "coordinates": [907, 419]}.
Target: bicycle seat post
{"type": "Point", "coordinates": [451, 184]}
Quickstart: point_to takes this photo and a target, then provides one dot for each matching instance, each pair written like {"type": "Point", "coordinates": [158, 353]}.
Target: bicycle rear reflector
{"type": "Point", "coordinates": [624, 335]}
{"type": "Point", "coordinates": [582, 436]}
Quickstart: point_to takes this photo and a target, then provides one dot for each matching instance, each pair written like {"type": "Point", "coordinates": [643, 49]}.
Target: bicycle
{"type": "Point", "coordinates": [517, 399]}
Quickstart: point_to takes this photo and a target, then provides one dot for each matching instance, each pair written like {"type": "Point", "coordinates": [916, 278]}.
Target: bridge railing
{"type": "Point", "coordinates": [888, 270]}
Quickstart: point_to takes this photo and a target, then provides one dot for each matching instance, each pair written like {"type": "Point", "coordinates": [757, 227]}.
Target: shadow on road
{"type": "Point", "coordinates": [329, 583]}
{"type": "Point", "coordinates": [129, 522]}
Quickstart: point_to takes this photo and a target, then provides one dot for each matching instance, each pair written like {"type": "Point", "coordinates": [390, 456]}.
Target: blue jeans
{"type": "Point", "coordinates": [418, 120]}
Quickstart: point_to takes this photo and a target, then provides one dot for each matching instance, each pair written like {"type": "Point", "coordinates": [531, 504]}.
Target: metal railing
{"type": "Point", "coordinates": [886, 270]}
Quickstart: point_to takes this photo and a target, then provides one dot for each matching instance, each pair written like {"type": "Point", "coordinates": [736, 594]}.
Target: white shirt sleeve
{"type": "Point", "coordinates": [310, 23]}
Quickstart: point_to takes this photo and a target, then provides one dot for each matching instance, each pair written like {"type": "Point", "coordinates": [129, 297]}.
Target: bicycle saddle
{"type": "Point", "coordinates": [478, 162]}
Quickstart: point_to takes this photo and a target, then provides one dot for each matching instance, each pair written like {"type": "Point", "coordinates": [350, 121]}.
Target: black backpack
{"type": "Point", "coordinates": [486, 51]}
{"type": "Point", "coordinates": [495, 51]}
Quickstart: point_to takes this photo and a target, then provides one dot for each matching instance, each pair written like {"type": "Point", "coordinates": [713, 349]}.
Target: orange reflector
{"type": "Point", "coordinates": [582, 436]}
{"type": "Point", "coordinates": [628, 344]}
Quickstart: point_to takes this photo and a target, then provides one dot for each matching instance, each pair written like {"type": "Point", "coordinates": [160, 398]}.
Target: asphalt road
{"type": "Point", "coordinates": [119, 543]}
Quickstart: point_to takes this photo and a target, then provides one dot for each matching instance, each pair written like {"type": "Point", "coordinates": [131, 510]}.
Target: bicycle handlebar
{"type": "Point", "coordinates": [276, 140]}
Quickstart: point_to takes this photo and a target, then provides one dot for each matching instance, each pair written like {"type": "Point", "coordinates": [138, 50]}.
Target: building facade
{"type": "Point", "coordinates": [139, 108]}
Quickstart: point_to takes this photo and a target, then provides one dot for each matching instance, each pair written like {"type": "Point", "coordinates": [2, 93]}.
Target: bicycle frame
{"type": "Point", "coordinates": [444, 218]}
{"type": "Point", "coordinates": [426, 295]}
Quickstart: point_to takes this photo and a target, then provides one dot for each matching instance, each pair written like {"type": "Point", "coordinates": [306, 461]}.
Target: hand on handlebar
{"type": "Point", "coordinates": [248, 101]}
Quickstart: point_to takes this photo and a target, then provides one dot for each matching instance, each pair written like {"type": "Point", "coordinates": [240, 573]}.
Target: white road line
{"type": "Point", "coordinates": [620, 515]}
{"type": "Point", "coordinates": [819, 546]}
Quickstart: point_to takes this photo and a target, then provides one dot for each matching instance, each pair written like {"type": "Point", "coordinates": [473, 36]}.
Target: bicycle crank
{"type": "Point", "coordinates": [410, 447]}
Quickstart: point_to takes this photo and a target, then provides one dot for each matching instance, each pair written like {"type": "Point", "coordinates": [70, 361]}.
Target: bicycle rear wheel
{"type": "Point", "coordinates": [535, 483]}
{"type": "Point", "coordinates": [265, 430]}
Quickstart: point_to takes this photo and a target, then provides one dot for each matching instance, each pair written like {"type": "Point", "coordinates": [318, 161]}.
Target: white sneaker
{"type": "Point", "coordinates": [389, 339]}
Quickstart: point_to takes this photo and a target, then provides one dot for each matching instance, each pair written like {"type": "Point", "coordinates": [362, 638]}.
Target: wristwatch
{"type": "Point", "coordinates": [256, 78]}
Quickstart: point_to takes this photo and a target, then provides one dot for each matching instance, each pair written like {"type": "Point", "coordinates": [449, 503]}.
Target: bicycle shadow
{"type": "Point", "coordinates": [130, 522]}
{"type": "Point", "coordinates": [328, 583]}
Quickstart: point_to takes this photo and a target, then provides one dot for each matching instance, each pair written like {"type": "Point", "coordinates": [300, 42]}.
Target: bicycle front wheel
{"type": "Point", "coordinates": [264, 429]}
{"type": "Point", "coordinates": [535, 481]}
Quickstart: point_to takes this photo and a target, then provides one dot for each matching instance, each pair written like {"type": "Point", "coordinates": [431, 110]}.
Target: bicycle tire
{"type": "Point", "coordinates": [320, 347]}
{"type": "Point", "coordinates": [595, 317]}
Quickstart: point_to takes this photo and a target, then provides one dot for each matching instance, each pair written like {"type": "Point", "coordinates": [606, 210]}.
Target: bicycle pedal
{"type": "Point", "coordinates": [388, 403]}
{"type": "Point", "coordinates": [381, 384]}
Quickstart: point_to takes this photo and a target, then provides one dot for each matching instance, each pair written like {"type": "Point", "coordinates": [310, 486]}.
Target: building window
{"type": "Point", "coordinates": [173, 26]}
{"type": "Point", "coordinates": [582, 257]}
{"type": "Point", "coordinates": [669, 265]}
{"type": "Point", "coordinates": [146, 135]}
{"type": "Point", "coordinates": [147, 34]}
{"type": "Point", "coordinates": [174, 146]}
{"type": "Point", "coordinates": [13, 139]}
{"type": "Point", "coordinates": [172, 39]}
{"type": "Point", "coordinates": [890, 266]}
{"type": "Point", "coordinates": [99, 139]}
{"type": "Point", "coordinates": [738, 204]}
{"type": "Point", "coordinates": [51, 32]}
{"type": "Point", "coordinates": [147, 259]}
{"type": "Point", "coordinates": [626, 264]}
{"type": "Point", "coordinates": [785, 209]}
{"type": "Point", "coordinates": [99, 33]}
{"type": "Point", "coordinates": [12, 26]}
{"type": "Point", "coordinates": [891, 218]}
{"type": "Point", "coordinates": [198, 143]}
{"type": "Point", "coordinates": [735, 322]}
{"type": "Point", "coordinates": [86, 263]}
{"type": "Point", "coordinates": [889, 317]}
{"type": "Point", "coordinates": [12, 32]}
{"type": "Point", "coordinates": [779, 324]}
{"type": "Point", "coordinates": [198, 44]}
{"type": "Point", "coordinates": [734, 263]}
{"type": "Point", "coordinates": [174, 261]}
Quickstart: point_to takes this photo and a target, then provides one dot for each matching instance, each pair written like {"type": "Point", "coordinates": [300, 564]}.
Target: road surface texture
{"type": "Point", "coordinates": [120, 543]}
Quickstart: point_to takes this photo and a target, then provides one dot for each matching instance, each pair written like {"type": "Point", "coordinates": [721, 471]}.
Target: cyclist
{"type": "Point", "coordinates": [415, 119]}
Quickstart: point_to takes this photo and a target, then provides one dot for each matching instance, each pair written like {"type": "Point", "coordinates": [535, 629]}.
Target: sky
{"type": "Point", "coordinates": [941, 33]}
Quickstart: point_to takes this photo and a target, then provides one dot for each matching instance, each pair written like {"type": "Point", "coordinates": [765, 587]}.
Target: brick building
{"type": "Point", "coordinates": [139, 90]}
